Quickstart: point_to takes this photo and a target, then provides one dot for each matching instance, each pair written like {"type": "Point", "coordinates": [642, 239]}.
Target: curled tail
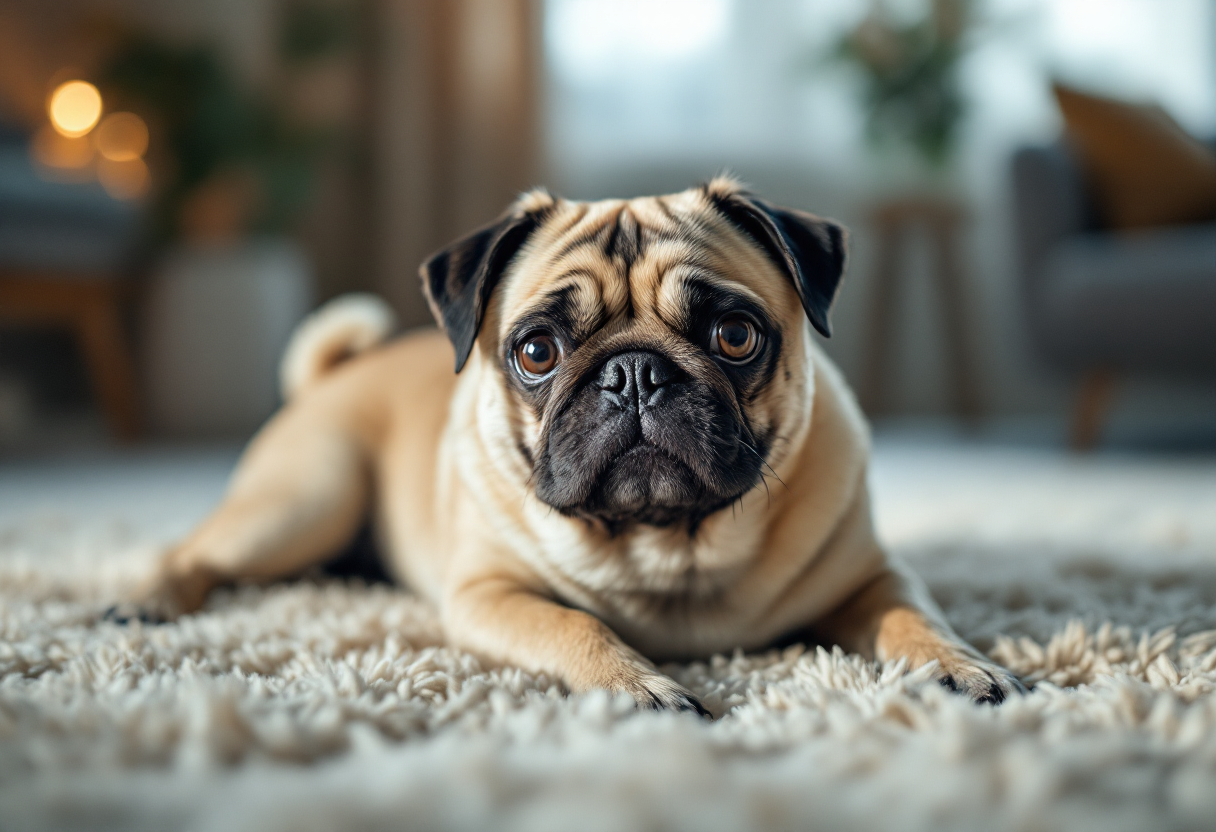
{"type": "Point", "coordinates": [339, 330]}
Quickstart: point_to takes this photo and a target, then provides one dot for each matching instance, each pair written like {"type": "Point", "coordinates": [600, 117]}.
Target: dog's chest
{"type": "Point", "coordinates": [654, 578]}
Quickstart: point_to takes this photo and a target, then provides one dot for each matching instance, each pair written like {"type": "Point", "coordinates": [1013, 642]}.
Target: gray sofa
{"type": "Point", "coordinates": [1101, 305]}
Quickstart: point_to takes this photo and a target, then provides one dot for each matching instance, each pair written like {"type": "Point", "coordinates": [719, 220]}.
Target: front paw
{"type": "Point", "coordinates": [980, 681]}
{"type": "Point", "coordinates": [657, 692]}
{"type": "Point", "coordinates": [650, 689]}
{"type": "Point", "coordinates": [163, 597]}
{"type": "Point", "coordinates": [126, 612]}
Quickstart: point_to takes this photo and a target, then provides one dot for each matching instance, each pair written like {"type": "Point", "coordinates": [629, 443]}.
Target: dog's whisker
{"type": "Point", "coordinates": [764, 462]}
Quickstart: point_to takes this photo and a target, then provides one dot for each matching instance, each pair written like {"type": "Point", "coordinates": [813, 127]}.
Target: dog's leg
{"type": "Point", "coordinates": [894, 617]}
{"type": "Point", "coordinates": [298, 494]}
{"type": "Point", "coordinates": [504, 622]}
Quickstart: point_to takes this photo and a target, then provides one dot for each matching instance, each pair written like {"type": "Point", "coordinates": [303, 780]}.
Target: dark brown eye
{"type": "Point", "coordinates": [538, 355]}
{"type": "Point", "coordinates": [737, 339]}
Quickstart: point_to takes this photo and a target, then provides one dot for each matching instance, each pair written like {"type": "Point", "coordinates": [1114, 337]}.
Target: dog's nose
{"type": "Point", "coordinates": [638, 377]}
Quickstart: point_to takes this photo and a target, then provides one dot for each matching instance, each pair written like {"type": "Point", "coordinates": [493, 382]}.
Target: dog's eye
{"type": "Point", "coordinates": [737, 339]}
{"type": "Point", "coordinates": [538, 355]}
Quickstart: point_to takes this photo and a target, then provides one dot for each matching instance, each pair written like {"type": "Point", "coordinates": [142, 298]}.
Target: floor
{"type": "Point", "coordinates": [309, 706]}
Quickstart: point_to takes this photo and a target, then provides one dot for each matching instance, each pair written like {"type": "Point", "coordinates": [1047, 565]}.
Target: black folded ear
{"type": "Point", "coordinates": [458, 280]}
{"type": "Point", "coordinates": [809, 249]}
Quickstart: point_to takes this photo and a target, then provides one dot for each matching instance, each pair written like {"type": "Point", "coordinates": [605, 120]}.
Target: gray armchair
{"type": "Point", "coordinates": [1101, 305]}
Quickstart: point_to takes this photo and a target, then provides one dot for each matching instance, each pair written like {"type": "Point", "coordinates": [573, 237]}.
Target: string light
{"type": "Point", "coordinates": [74, 108]}
{"type": "Point", "coordinates": [113, 153]}
{"type": "Point", "coordinates": [121, 137]}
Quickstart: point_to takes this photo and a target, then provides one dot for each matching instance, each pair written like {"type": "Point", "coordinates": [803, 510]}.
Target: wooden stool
{"type": "Point", "coordinates": [90, 307]}
{"type": "Point", "coordinates": [943, 219]}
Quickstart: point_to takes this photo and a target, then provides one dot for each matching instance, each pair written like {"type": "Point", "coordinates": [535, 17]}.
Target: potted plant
{"type": "Point", "coordinates": [231, 173]}
{"type": "Point", "coordinates": [910, 92]}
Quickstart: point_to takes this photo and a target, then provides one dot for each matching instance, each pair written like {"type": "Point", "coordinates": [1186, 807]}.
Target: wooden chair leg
{"type": "Point", "coordinates": [1090, 410]}
{"type": "Point", "coordinates": [99, 328]}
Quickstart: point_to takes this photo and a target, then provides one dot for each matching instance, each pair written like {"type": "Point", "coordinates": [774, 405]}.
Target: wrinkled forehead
{"type": "Point", "coordinates": [636, 259]}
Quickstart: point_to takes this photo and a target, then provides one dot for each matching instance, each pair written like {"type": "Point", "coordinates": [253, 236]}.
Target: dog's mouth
{"type": "Point", "coordinates": [646, 481]}
{"type": "Point", "coordinates": [673, 463]}
{"type": "Point", "coordinates": [647, 485]}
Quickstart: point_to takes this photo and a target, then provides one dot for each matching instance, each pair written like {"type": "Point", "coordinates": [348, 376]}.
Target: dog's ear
{"type": "Point", "coordinates": [809, 249]}
{"type": "Point", "coordinates": [458, 280]}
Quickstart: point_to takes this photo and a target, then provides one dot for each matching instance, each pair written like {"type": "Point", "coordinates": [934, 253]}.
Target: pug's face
{"type": "Point", "coordinates": [651, 349]}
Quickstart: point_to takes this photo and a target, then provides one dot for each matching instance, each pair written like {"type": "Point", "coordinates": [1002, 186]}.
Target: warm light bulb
{"type": "Point", "coordinates": [121, 137]}
{"type": "Point", "coordinates": [74, 107]}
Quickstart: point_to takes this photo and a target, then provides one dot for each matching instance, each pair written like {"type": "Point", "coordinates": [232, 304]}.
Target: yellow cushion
{"type": "Point", "coordinates": [1145, 169]}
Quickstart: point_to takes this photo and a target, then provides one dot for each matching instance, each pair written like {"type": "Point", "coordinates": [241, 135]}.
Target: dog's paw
{"type": "Point", "coordinates": [624, 670]}
{"type": "Point", "coordinates": [163, 598]}
{"type": "Point", "coordinates": [151, 605]}
{"type": "Point", "coordinates": [127, 612]}
{"type": "Point", "coordinates": [657, 692]}
{"type": "Point", "coordinates": [649, 688]}
{"type": "Point", "coordinates": [980, 681]}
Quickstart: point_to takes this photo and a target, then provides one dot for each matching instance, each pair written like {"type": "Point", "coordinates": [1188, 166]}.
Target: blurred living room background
{"type": "Point", "coordinates": [1030, 187]}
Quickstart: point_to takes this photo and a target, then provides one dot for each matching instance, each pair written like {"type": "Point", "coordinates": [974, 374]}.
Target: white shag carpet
{"type": "Point", "coordinates": [336, 706]}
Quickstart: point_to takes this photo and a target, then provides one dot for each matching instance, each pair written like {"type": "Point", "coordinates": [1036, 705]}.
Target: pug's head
{"type": "Point", "coordinates": [653, 352]}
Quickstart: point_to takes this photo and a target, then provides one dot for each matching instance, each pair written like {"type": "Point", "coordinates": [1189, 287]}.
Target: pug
{"type": "Point", "coordinates": [643, 455]}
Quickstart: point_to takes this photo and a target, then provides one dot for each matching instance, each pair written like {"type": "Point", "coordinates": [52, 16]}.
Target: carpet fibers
{"type": "Point", "coordinates": [319, 705]}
